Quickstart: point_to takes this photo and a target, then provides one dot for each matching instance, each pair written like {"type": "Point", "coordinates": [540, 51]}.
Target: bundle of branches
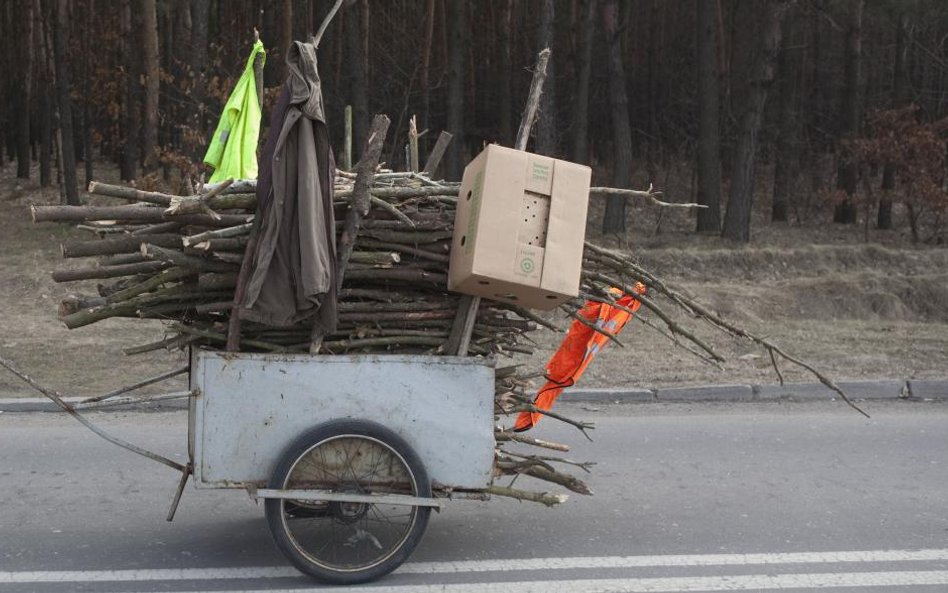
{"type": "Point", "coordinates": [176, 258]}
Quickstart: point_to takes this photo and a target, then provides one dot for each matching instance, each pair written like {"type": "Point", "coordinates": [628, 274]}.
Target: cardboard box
{"type": "Point", "coordinates": [519, 228]}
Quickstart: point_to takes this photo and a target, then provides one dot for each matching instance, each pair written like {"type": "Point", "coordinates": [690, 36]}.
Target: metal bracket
{"type": "Point", "coordinates": [188, 470]}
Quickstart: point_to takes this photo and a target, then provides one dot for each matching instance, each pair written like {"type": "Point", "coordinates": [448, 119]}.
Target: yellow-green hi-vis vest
{"type": "Point", "coordinates": [233, 149]}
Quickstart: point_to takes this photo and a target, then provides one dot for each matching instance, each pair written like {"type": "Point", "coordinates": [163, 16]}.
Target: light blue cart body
{"type": "Point", "coordinates": [248, 408]}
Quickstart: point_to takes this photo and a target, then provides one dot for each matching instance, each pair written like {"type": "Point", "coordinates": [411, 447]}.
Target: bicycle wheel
{"type": "Point", "coordinates": [348, 542]}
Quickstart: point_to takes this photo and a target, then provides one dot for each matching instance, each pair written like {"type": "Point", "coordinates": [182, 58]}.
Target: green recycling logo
{"type": "Point", "coordinates": [527, 265]}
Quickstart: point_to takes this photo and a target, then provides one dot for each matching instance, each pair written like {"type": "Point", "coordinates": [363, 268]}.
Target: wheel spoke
{"type": "Point", "coordinates": [374, 469]}
{"type": "Point", "coordinates": [386, 519]}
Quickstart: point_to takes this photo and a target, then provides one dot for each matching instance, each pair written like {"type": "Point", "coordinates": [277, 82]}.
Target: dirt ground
{"type": "Point", "coordinates": [855, 309]}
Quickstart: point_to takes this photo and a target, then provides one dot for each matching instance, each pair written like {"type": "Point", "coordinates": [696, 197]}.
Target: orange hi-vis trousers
{"type": "Point", "coordinates": [578, 348]}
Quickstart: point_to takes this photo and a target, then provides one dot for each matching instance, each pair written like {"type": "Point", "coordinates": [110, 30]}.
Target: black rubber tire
{"type": "Point", "coordinates": [308, 441]}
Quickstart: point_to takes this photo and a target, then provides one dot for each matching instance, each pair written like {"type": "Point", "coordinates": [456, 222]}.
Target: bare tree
{"type": "Point", "coordinates": [758, 36]}
{"type": "Point", "coordinates": [24, 64]}
{"type": "Point", "coordinates": [46, 91]}
{"type": "Point", "coordinates": [200, 14]}
{"type": "Point", "coordinates": [87, 97]}
{"type": "Point", "coordinates": [358, 77]}
{"type": "Point", "coordinates": [580, 139]}
{"type": "Point", "coordinates": [709, 126]}
{"type": "Point", "coordinates": [150, 51]}
{"type": "Point", "coordinates": [847, 176]}
{"type": "Point", "coordinates": [66, 146]}
{"type": "Point", "coordinates": [457, 52]}
{"type": "Point", "coordinates": [613, 220]}
{"type": "Point", "coordinates": [506, 100]}
{"type": "Point", "coordinates": [424, 75]}
{"type": "Point", "coordinates": [286, 36]}
{"type": "Point", "coordinates": [546, 123]}
{"type": "Point", "coordinates": [900, 96]}
{"type": "Point", "coordinates": [131, 104]}
{"type": "Point", "coordinates": [787, 145]}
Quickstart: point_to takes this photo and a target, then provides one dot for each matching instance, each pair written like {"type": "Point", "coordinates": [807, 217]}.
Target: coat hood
{"type": "Point", "coordinates": [303, 80]}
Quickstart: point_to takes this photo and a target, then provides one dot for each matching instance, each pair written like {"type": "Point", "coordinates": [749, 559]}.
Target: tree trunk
{"type": "Point", "coordinates": [546, 123]}
{"type": "Point", "coordinates": [847, 177]}
{"type": "Point", "coordinates": [758, 40]}
{"type": "Point", "coordinates": [66, 147]}
{"type": "Point", "coordinates": [358, 78]}
{"type": "Point", "coordinates": [150, 55]}
{"type": "Point", "coordinates": [426, 65]}
{"type": "Point", "coordinates": [5, 27]}
{"type": "Point", "coordinates": [900, 96]}
{"type": "Point", "coordinates": [786, 157]}
{"type": "Point", "coordinates": [199, 32]}
{"type": "Point", "coordinates": [580, 141]}
{"type": "Point", "coordinates": [286, 36]}
{"type": "Point", "coordinates": [132, 107]}
{"type": "Point", "coordinates": [23, 26]}
{"type": "Point", "coordinates": [457, 52]}
{"type": "Point", "coordinates": [46, 92]}
{"type": "Point", "coordinates": [613, 220]}
{"type": "Point", "coordinates": [656, 80]}
{"type": "Point", "coordinates": [505, 40]}
{"type": "Point", "coordinates": [87, 95]}
{"type": "Point", "coordinates": [814, 106]}
{"type": "Point", "coordinates": [200, 15]}
{"type": "Point", "coordinates": [178, 47]}
{"type": "Point", "coordinates": [709, 132]}
{"type": "Point", "coordinates": [8, 58]}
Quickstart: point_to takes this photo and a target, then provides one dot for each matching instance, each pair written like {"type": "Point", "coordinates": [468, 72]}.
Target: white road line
{"type": "Point", "coordinates": [153, 574]}
{"type": "Point", "coordinates": [499, 565]}
{"type": "Point", "coordinates": [674, 560]}
{"type": "Point", "coordinates": [755, 582]}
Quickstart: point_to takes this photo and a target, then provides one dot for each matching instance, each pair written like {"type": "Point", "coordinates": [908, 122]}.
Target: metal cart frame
{"type": "Point", "coordinates": [329, 441]}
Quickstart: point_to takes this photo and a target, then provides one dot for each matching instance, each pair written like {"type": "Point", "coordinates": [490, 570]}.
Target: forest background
{"type": "Point", "coordinates": [815, 131]}
{"type": "Point", "coordinates": [828, 101]}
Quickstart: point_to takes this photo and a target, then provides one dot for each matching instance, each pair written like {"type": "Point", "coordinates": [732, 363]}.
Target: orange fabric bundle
{"type": "Point", "coordinates": [579, 347]}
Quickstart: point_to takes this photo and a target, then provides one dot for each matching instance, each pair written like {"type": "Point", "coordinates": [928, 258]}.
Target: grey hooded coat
{"type": "Point", "coordinates": [294, 267]}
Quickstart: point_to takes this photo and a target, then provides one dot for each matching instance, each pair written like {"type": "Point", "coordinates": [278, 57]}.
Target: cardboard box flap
{"type": "Point", "coordinates": [538, 177]}
{"type": "Point", "coordinates": [566, 230]}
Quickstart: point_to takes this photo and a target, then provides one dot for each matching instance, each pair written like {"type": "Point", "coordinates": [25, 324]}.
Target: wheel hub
{"type": "Point", "coordinates": [349, 512]}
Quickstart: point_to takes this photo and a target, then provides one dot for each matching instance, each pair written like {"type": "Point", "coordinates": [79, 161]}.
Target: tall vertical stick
{"type": "Point", "coordinates": [533, 100]}
{"type": "Point", "coordinates": [359, 201]}
{"type": "Point", "coordinates": [322, 28]}
{"type": "Point", "coordinates": [434, 159]}
{"type": "Point", "coordinates": [359, 204]}
{"type": "Point", "coordinates": [460, 338]}
{"type": "Point", "coordinates": [258, 63]}
{"type": "Point", "coordinates": [413, 144]}
{"type": "Point", "coordinates": [347, 149]}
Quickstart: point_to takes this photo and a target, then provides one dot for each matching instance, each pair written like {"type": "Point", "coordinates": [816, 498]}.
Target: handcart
{"type": "Point", "coordinates": [350, 453]}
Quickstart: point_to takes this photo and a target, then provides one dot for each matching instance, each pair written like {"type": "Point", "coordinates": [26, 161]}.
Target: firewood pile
{"type": "Point", "coordinates": [176, 258]}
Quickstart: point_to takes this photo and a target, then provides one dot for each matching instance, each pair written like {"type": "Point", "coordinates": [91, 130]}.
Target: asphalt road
{"type": "Point", "coordinates": [699, 497]}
